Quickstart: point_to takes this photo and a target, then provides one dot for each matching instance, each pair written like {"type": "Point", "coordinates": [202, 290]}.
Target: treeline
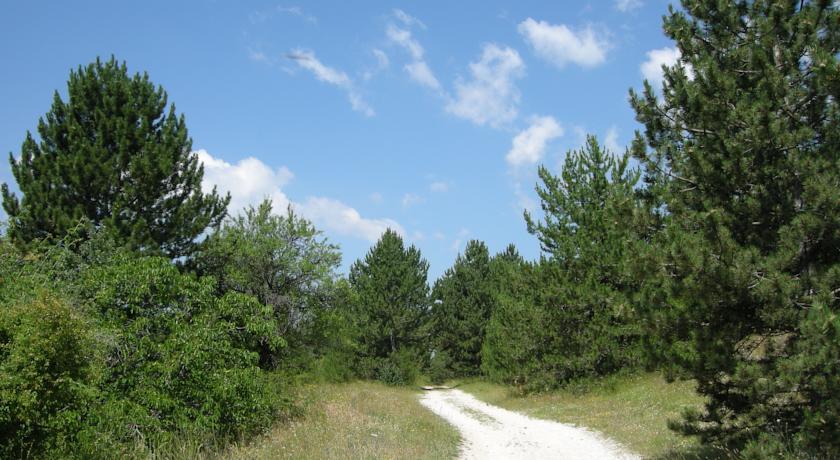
{"type": "Point", "coordinates": [132, 313]}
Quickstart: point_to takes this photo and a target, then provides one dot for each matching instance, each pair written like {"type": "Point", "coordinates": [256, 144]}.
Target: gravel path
{"type": "Point", "coordinates": [490, 432]}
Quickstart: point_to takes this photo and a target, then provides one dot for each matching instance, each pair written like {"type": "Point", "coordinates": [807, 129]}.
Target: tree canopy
{"type": "Point", "coordinates": [114, 155]}
{"type": "Point", "coordinates": [744, 148]}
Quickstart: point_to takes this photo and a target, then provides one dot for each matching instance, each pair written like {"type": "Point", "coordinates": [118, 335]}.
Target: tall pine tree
{"type": "Point", "coordinates": [392, 295]}
{"type": "Point", "coordinates": [744, 146]}
{"type": "Point", "coordinates": [463, 301]}
{"type": "Point", "coordinates": [591, 221]}
{"type": "Point", "coordinates": [113, 155]}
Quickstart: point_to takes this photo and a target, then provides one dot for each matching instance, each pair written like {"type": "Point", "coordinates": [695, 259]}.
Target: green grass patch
{"type": "Point", "coordinates": [632, 410]}
{"type": "Point", "coordinates": [357, 420]}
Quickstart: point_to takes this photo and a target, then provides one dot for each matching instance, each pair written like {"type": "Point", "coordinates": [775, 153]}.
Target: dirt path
{"type": "Point", "coordinates": [493, 432]}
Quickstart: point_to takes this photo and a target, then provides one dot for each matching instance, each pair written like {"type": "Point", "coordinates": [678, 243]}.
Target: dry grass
{"type": "Point", "coordinates": [632, 410]}
{"type": "Point", "coordinates": [357, 420]}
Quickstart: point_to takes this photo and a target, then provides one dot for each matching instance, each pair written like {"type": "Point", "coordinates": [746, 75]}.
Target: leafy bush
{"type": "Point", "coordinates": [400, 368]}
{"type": "Point", "coordinates": [140, 356]}
{"type": "Point", "coordinates": [177, 350]}
{"type": "Point", "coordinates": [46, 356]}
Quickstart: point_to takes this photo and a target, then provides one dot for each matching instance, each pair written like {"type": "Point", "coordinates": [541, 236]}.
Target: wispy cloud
{"type": "Point", "coordinates": [490, 96]}
{"type": "Point", "coordinates": [407, 19]}
{"type": "Point", "coordinates": [560, 45]}
{"type": "Point", "coordinates": [418, 69]}
{"type": "Point", "coordinates": [250, 181]}
{"type": "Point", "coordinates": [439, 187]}
{"type": "Point", "coordinates": [297, 11]}
{"type": "Point", "coordinates": [420, 72]}
{"type": "Point", "coordinates": [411, 199]}
{"type": "Point", "coordinates": [528, 147]}
{"type": "Point", "coordinates": [258, 56]}
{"type": "Point", "coordinates": [382, 63]}
{"type": "Point", "coordinates": [628, 5]}
{"type": "Point", "coordinates": [307, 60]}
{"type": "Point", "coordinates": [264, 15]}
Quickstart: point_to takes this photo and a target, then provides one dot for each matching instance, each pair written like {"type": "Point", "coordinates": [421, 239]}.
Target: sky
{"type": "Point", "coordinates": [430, 118]}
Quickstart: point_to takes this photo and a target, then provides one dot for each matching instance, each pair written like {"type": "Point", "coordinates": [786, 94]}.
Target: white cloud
{"type": "Point", "coordinates": [359, 104]}
{"type": "Point", "coordinates": [652, 68]}
{"type": "Point", "coordinates": [439, 187]}
{"type": "Point", "coordinates": [628, 5]}
{"type": "Point", "coordinates": [491, 96]}
{"type": "Point", "coordinates": [418, 236]}
{"type": "Point", "coordinates": [381, 58]}
{"type": "Point", "coordinates": [559, 45]}
{"type": "Point", "coordinates": [407, 19]}
{"type": "Point", "coordinates": [410, 199]}
{"type": "Point", "coordinates": [419, 72]}
{"type": "Point", "coordinates": [307, 60]}
{"type": "Point", "coordinates": [250, 181]}
{"type": "Point", "coordinates": [438, 236]}
{"type": "Point", "coordinates": [417, 69]}
{"type": "Point", "coordinates": [336, 216]}
{"type": "Point", "coordinates": [528, 147]}
{"type": "Point", "coordinates": [611, 141]}
{"type": "Point", "coordinates": [376, 198]}
{"type": "Point", "coordinates": [403, 38]}
{"type": "Point", "coordinates": [382, 63]}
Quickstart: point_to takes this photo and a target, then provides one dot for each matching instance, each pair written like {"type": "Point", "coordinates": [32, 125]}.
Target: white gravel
{"type": "Point", "coordinates": [490, 432]}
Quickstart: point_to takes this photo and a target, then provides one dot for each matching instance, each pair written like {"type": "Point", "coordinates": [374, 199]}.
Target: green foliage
{"type": "Point", "coordinates": [173, 346]}
{"type": "Point", "coordinates": [130, 357]}
{"type": "Point", "coordinates": [744, 151]}
{"type": "Point", "coordinates": [440, 367]}
{"type": "Point", "coordinates": [399, 368]}
{"type": "Point", "coordinates": [113, 155]}
{"type": "Point", "coordinates": [288, 266]}
{"type": "Point", "coordinates": [391, 293]}
{"type": "Point", "coordinates": [46, 350]}
{"type": "Point", "coordinates": [514, 346]}
{"type": "Point", "coordinates": [463, 301]}
{"type": "Point", "coordinates": [571, 316]}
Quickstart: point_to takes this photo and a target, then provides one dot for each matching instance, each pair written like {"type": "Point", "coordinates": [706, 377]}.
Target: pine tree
{"type": "Point", "coordinates": [114, 156]}
{"type": "Point", "coordinates": [463, 299]}
{"type": "Point", "coordinates": [513, 346]}
{"type": "Point", "coordinates": [392, 295]}
{"type": "Point", "coordinates": [744, 147]}
{"type": "Point", "coordinates": [591, 214]}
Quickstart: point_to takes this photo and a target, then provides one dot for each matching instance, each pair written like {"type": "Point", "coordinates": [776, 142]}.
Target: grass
{"type": "Point", "coordinates": [356, 420]}
{"type": "Point", "coordinates": [631, 410]}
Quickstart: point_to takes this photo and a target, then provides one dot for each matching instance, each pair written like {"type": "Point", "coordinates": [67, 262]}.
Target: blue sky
{"type": "Point", "coordinates": [429, 117]}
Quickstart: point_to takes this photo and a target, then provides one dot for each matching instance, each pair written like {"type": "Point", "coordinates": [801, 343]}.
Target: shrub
{"type": "Point", "coordinates": [46, 353]}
